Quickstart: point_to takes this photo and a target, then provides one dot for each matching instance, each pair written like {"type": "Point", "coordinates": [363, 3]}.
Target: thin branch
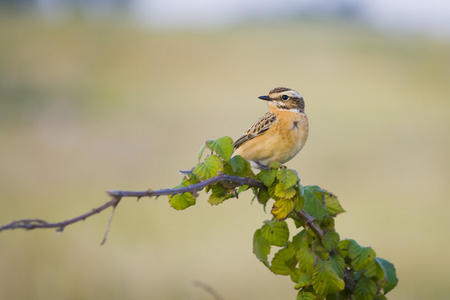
{"type": "Point", "coordinates": [117, 195]}
{"type": "Point", "coordinates": [189, 189]}
{"type": "Point", "coordinates": [29, 224]}
{"type": "Point", "coordinates": [311, 222]}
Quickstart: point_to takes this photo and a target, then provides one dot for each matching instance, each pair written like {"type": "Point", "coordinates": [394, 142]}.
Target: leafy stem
{"type": "Point", "coordinates": [317, 260]}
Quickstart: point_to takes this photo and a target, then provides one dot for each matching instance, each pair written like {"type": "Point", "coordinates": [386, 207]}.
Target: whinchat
{"type": "Point", "coordinates": [278, 135]}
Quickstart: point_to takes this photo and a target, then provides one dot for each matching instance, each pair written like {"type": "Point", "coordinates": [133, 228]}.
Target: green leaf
{"type": "Point", "coordinates": [208, 168]}
{"type": "Point", "coordinates": [315, 189]}
{"type": "Point", "coordinates": [223, 146]}
{"type": "Point", "coordinates": [361, 256]}
{"type": "Point", "coordinates": [313, 206]}
{"type": "Point", "coordinates": [342, 248]}
{"type": "Point", "coordinates": [301, 198]}
{"type": "Point", "coordinates": [354, 249]}
{"type": "Point", "coordinates": [283, 262]}
{"type": "Point", "coordinates": [330, 201]}
{"type": "Point", "coordinates": [332, 204]}
{"type": "Point", "coordinates": [328, 223]}
{"type": "Point", "coordinates": [326, 280]}
{"type": "Point", "coordinates": [262, 194]}
{"type": "Point", "coordinates": [181, 201]}
{"type": "Point", "coordinates": [365, 289]}
{"type": "Point", "coordinates": [322, 252]}
{"type": "Point", "coordinates": [200, 153]}
{"type": "Point", "coordinates": [287, 178]}
{"type": "Point", "coordinates": [338, 264]}
{"type": "Point", "coordinates": [192, 179]}
{"type": "Point", "coordinates": [219, 194]}
{"type": "Point", "coordinates": [281, 192]}
{"type": "Point", "coordinates": [330, 240]}
{"type": "Point", "coordinates": [219, 190]}
{"type": "Point", "coordinates": [261, 247]}
{"type": "Point", "coordinates": [216, 200]}
{"type": "Point", "coordinates": [302, 295]}
{"type": "Point", "coordinates": [240, 166]}
{"type": "Point", "coordinates": [305, 258]}
{"type": "Point", "coordinates": [267, 176]}
{"type": "Point", "coordinates": [324, 198]}
{"type": "Point", "coordinates": [271, 190]}
{"type": "Point", "coordinates": [300, 240]}
{"type": "Point", "coordinates": [242, 188]}
{"type": "Point", "coordinates": [295, 275]}
{"type": "Point", "coordinates": [391, 276]}
{"type": "Point", "coordinates": [275, 165]}
{"type": "Point", "coordinates": [282, 208]}
{"type": "Point", "coordinates": [371, 270]}
{"type": "Point", "coordinates": [276, 233]}
{"type": "Point", "coordinates": [303, 279]}
{"type": "Point", "coordinates": [380, 275]}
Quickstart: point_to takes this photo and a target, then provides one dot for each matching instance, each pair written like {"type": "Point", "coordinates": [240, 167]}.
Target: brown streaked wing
{"type": "Point", "coordinates": [262, 125]}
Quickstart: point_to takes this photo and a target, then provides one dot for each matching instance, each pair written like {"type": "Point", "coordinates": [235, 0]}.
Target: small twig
{"type": "Point", "coordinates": [350, 282]}
{"type": "Point", "coordinates": [110, 219]}
{"type": "Point", "coordinates": [29, 224]}
{"type": "Point", "coordinates": [208, 289]}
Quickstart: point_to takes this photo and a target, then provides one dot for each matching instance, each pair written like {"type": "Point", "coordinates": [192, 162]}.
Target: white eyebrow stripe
{"type": "Point", "coordinates": [290, 93]}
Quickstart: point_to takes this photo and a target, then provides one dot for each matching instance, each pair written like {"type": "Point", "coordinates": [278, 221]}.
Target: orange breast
{"type": "Point", "coordinates": [281, 142]}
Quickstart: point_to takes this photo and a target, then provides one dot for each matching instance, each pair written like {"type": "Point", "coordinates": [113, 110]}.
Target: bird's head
{"type": "Point", "coordinates": [282, 98]}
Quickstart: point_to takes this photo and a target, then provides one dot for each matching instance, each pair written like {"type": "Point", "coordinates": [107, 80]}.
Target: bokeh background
{"type": "Point", "coordinates": [98, 95]}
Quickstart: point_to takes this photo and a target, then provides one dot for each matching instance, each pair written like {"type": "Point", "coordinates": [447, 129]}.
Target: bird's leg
{"type": "Point", "coordinates": [261, 166]}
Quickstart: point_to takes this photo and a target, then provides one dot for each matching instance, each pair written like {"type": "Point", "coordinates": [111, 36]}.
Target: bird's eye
{"type": "Point", "coordinates": [285, 97]}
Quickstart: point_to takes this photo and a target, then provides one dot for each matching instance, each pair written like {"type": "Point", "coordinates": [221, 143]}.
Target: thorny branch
{"type": "Point", "coordinates": [117, 195]}
{"type": "Point", "coordinates": [192, 188]}
{"type": "Point", "coordinates": [38, 223]}
{"type": "Point", "coordinates": [310, 221]}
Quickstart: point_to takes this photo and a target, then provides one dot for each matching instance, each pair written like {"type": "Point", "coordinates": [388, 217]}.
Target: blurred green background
{"type": "Point", "coordinates": [89, 106]}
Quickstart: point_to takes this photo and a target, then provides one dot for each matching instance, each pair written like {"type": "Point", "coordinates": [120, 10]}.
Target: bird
{"type": "Point", "coordinates": [278, 135]}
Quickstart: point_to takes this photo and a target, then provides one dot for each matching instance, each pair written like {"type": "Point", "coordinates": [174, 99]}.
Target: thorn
{"type": "Point", "coordinates": [188, 172]}
{"type": "Point", "coordinates": [138, 198]}
{"type": "Point", "coordinates": [156, 197]}
{"type": "Point", "coordinates": [113, 193]}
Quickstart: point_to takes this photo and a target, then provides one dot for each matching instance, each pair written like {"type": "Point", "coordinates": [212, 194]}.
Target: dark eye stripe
{"type": "Point", "coordinates": [282, 106]}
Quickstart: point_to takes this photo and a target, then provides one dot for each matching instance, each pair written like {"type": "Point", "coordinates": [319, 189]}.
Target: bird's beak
{"type": "Point", "coordinates": [267, 98]}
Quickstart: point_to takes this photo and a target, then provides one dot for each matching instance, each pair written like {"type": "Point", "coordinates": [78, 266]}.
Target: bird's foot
{"type": "Point", "coordinates": [261, 166]}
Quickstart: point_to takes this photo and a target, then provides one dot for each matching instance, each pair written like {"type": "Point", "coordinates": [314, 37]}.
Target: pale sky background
{"type": "Point", "coordinates": [416, 16]}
